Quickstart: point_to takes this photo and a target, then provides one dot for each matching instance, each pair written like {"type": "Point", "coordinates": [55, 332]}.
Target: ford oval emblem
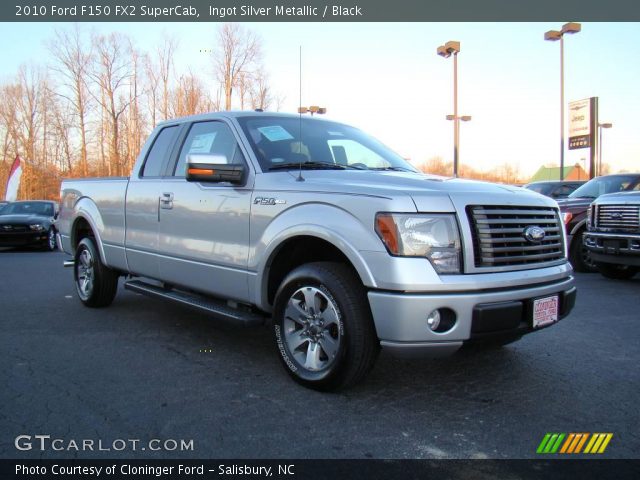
{"type": "Point", "coordinates": [533, 234]}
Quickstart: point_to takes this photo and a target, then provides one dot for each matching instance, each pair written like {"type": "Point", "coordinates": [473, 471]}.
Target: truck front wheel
{"type": "Point", "coordinates": [323, 326]}
{"type": "Point", "coordinates": [579, 255]}
{"type": "Point", "coordinates": [96, 283]}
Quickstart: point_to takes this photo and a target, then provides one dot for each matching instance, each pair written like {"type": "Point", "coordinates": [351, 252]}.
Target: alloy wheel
{"type": "Point", "coordinates": [85, 274]}
{"type": "Point", "coordinates": [313, 333]}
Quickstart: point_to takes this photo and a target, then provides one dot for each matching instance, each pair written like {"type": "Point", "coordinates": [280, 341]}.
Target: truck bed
{"type": "Point", "coordinates": [101, 202]}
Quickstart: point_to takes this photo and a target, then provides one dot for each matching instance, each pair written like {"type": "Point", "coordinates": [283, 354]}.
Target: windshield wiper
{"type": "Point", "coordinates": [395, 169]}
{"type": "Point", "coordinates": [308, 166]}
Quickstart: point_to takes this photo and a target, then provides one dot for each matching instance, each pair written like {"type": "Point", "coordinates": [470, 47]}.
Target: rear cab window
{"type": "Point", "coordinates": [159, 152]}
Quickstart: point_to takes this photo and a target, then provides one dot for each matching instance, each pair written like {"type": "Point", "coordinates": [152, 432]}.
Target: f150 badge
{"type": "Point", "coordinates": [268, 201]}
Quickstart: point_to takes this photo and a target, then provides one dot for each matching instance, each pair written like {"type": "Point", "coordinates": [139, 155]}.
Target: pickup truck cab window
{"type": "Point", "coordinates": [214, 138]}
{"type": "Point", "coordinates": [159, 152]}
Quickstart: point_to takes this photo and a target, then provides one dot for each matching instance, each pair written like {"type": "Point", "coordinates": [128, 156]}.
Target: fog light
{"type": "Point", "coordinates": [433, 320]}
{"type": "Point", "coordinates": [441, 320]}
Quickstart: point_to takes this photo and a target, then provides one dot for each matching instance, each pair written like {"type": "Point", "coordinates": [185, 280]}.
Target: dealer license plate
{"type": "Point", "coordinates": [545, 311]}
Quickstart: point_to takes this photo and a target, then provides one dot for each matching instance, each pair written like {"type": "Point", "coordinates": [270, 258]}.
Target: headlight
{"type": "Point", "coordinates": [37, 227]}
{"type": "Point", "coordinates": [434, 236]}
{"type": "Point", "coordinates": [589, 217]}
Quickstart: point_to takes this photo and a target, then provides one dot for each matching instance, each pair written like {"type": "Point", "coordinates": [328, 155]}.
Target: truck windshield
{"type": "Point", "coordinates": [279, 144]}
{"type": "Point", "coordinates": [607, 184]}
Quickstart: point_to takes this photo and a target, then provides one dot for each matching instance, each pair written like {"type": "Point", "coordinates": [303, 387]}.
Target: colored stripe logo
{"type": "Point", "coordinates": [574, 443]}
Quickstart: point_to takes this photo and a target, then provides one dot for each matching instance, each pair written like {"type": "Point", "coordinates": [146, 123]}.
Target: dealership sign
{"type": "Point", "coordinates": [580, 128]}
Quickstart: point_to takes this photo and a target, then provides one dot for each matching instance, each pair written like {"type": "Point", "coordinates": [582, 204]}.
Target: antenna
{"type": "Point", "coordinates": [300, 178]}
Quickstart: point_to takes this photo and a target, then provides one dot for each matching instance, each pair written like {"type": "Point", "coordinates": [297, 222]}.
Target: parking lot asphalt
{"type": "Point", "coordinates": [144, 369]}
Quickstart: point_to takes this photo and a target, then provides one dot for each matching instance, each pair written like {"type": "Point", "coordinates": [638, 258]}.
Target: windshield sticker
{"type": "Point", "coordinates": [202, 143]}
{"type": "Point", "coordinates": [339, 134]}
{"type": "Point", "coordinates": [275, 133]}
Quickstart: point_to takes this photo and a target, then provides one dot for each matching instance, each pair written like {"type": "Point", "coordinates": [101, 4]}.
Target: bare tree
{"type": "Point", "coordinates": [260, 92]}
{"type": "Point", "coordinates": [244, 84]}
{"type": "Point", "coordinates": [134, 118]}
{"type": "Point", "coordinates": [62, 121]}
{"type": "Point", "coordinates": [112, 75]}
{"type": "Point", "coordinates": [239, 50]}
{"type": "Point", "coordinates": [159, 70]}
{"type": "Point", "coordinates": [73, 64]}
{"type": "Point", "coordinates": [189, 97]}
{"type": "Point", "coordinates": [98, 100]}
{"type": "Point", "coordinates": [151, 92]}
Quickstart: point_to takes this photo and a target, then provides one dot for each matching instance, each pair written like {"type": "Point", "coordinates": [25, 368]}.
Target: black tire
{"type": "Point", "coordinates": [617, 272]}
{"type": "Point", "coordinates": [51, 244]}
{"type": "Point", "coordinates": [96, 284]}
{"type": "Point", "coordinates": [579, 255]}
{"type": "Point", "coordinates": [339, 299]}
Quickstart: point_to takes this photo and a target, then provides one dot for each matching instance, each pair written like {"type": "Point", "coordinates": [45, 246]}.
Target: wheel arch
{"type": "Point", "coordinates": [85, 226]}
{"type": "Point", "coordinates": [300, 248]}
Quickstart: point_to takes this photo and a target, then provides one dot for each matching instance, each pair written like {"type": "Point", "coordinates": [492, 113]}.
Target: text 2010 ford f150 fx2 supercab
{"type": "Point", "coordinates": [323, 233]}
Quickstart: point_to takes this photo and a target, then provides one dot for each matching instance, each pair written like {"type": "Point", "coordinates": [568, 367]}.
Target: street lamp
{"type": "Point", "coordinates": [600, 127]}
{"type": "Point", "coordinates": [445, 51]}
{"type": "Point", "coordinates": [552, 36]}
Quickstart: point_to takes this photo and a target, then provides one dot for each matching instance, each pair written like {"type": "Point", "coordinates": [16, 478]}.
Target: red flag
{"type": "Point", "coordinates": [13, 182]}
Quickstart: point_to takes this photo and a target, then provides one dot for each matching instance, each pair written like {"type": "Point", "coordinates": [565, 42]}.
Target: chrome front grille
{"type": "Point", "coordinates": [618, 217]}
{"type": "Point", "coordinates": [499, 235]}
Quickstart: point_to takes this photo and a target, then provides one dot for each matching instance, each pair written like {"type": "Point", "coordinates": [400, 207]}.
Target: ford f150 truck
{"type": "Point", "coordinates": [613, 236]}
{"type": "Point", "coordinates": [323, 233]}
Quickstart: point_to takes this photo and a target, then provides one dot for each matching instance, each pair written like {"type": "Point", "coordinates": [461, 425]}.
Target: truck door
{"type": "Point", "coordinates": [204, 236]}
{"type": "Point", "coordinates": [144, 201]}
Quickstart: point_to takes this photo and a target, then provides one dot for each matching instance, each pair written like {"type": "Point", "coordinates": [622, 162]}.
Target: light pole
{"type": "Point", "coordinates": [600, 127]}
{"type": "Point", "coordinates": [552, 36]}
{"type": "Point", "coordinates": [445, 51]}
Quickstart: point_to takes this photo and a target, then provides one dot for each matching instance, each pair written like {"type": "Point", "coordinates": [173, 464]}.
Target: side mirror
{"type": "Point", "coordinates": [213, 168]}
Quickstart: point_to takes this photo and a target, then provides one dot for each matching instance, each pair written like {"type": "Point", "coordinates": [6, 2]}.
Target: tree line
{"type": "Point", "coordinates": [88, 110]}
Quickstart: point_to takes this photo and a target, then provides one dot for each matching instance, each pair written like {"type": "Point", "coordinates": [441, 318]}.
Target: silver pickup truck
{"type": "Point", "coordinates": [323, 233]}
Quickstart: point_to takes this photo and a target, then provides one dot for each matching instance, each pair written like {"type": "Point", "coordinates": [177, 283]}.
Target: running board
{"type": "Point", "coordinates": [216, 308]}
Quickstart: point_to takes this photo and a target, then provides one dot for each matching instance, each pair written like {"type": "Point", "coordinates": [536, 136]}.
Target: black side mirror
{"type": "Point", "coordinates": [213, 168]}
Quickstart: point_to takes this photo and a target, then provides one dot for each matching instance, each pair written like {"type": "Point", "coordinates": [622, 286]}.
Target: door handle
{"type": "Point", "coordinates": [166, 200]}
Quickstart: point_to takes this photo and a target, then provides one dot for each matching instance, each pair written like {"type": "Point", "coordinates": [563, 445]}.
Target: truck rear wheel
{"type": "Point", "coordinates": [617, 272]}
{"type": "Point", "coordinates": [323, 326]}
{"type": "Point", "coordinates": [96, 283]}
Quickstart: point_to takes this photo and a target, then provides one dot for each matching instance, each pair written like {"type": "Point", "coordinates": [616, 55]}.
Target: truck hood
{"type": "Point", "coordinates": [620, 197]}
{"type": "Point", "coordinates": [573, 204]}
{"type": "Point", "coordinates": [421, 187]}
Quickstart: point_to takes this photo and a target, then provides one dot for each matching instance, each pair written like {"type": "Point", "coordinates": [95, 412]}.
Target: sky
{"type": "Point", "coordinates": [387, 79]}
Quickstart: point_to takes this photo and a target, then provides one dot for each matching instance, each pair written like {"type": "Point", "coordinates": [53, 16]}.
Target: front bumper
{"type": "Point", "coordinates": [23, 238]}
{"type": "Point", "coordinates": [618, 248]}
{"type": "Point", "coordinates": [400, 318]}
